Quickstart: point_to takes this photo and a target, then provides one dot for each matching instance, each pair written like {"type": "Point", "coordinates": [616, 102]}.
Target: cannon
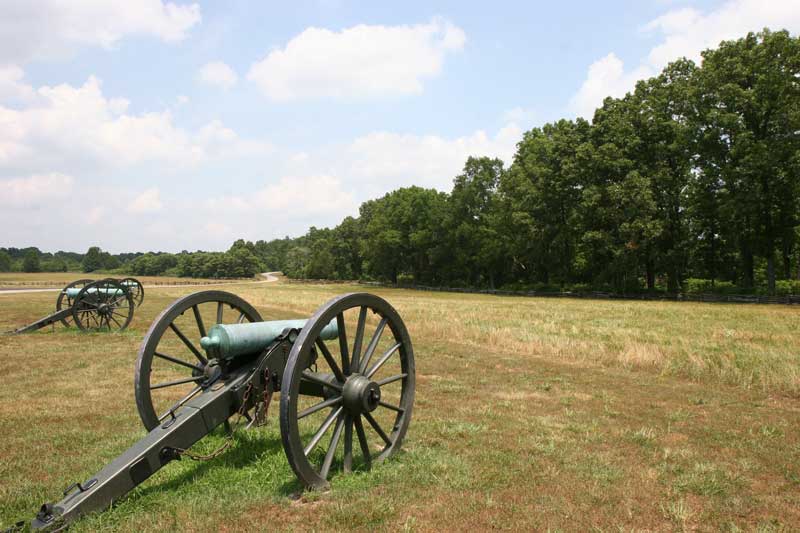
{"type": "Point", "coordinates": [136, 289]}
{"type": "Point", "coordinates": [347, 372]}
{"type": "Point", "coordinates": [92, 306]}
{"type": "Point", "coordinates": [67, 295]}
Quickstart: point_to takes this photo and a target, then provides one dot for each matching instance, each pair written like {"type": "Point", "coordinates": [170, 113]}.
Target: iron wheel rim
{"type": "Point", "coordinates": [136, 289]}
{"type": "Point", "coordinates": [149, 350]}
{"type": "Point", "coordinates": [60, 304]}
{"type": "Point", "coordinates": [94, 308]}
{"type": "Point", "coordinates": [348, 419]}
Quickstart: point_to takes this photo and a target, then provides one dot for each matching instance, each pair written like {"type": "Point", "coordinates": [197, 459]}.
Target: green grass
{"type": "Point", "coordinates": [531, 414]}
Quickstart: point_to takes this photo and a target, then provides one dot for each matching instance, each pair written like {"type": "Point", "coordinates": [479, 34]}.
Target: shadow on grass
{"type": "Point", "coordinates": [244, 452]}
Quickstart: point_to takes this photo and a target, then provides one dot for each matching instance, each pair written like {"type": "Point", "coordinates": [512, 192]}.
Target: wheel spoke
{"type": "Point", "coordinates": [373, 343]}
{"type": "Point", "coordinates": [326, 353]}
{"type": "Point", "coordinates": [337, 434]}
{"type": "Point", "coordinates": [180, 402]}
{"type": "Point", "coordinates": [362, 441]}
{"type": "Point", "coordinates": [220, 310]}
{"type": "Point", "coordinates": [176, 382]}
{"type": "Point", "coordinates": [390, 406]}
{"type": "Point", "coordinates": [377, 428]}
{"type": "Point", "coordinates": [321, 431]}
{"type": "Point", "coordinates": [347, 463]}
{"type": "Point", "coordinates": [385, 357]}
{"type": "Point", "coordinates": [390, 379]}
{"type": "Point", "coordinates": [343, 343]}
{"type": "Point", "coordinates": [177, 361]}
{"type": "Point", "coordinates": [310, 376]}
{"type": "Point", "coordinates": [241, 318]}
{"type": "Point", "coordinates": [188, 343]}
{"type": "Point", "coordinates": [111, 317]}
{"type": "Point", "coordinates": [359, 339]}
{"type": "Point", "coordinates": [199, 319]}
{"type": "Point", "coordinates": [330, 402]}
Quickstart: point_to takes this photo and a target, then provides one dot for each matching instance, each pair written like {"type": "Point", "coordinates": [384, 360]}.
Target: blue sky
{"type": "Point", "coordinates": [180, 125]}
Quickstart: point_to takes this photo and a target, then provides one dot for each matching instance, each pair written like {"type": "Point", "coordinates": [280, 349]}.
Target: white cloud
{"type": "Point", "coordinates": [12, 86]}
{"type": "Point", "coordinates": [147, 202]}
{"type": "Point", "coordinates": [303, 195]}
{"type": "Point", "coordinates": [520, 115]}
{"type": "Point", "coordinates": [218, 140]}
{"type": "Point", "coordinates": [606, 77]}
{"type": "Point", "coordinates": [66, 127]}
{"type": "Point", "coordinates": [686, 32]}
{"type": "Point", "coordinates": [34, 190]}
{"type": "Point", "coordinates": [48, 28]}
{"type": "Point", "coordinates": [219, 74]}
{"type": "Point", "coordinates": [358, 61]}
{"type": "Point", "coordinates": [388, 160]}
{"type": "Point", "coordinates": [96, 214]}
{"type": "Point", "coordinates": [308, 194]}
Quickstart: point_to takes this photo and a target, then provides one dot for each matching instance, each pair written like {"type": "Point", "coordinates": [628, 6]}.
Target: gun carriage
{"type": "Point", "coordinates": [106, 304]}
{"type": "Point", "coordinates": [345, 377]}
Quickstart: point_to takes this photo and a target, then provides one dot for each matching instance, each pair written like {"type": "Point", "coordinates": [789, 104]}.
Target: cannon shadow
{"type": "Point", "coordinates": [242, 453]}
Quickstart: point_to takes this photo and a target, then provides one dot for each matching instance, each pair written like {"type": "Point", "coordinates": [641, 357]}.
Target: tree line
{"type": "Point", "coordinates": [238, 262]}
{"type": "Point", "coordinates": [688, 182]}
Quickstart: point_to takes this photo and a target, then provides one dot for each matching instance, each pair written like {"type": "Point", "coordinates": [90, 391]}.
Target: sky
{"type": "Point", "coordinates": [157, 125]}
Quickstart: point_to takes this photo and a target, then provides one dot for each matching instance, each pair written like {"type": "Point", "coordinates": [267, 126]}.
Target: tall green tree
{"type": "Point", "coordinates": [747, 95]}
{"type": "Point", "coordinates": [476, 244]}
{"type": "Point", "coordinates": [542, 191]}
{"type": "Point", "coordinates": [5, 261]}
{"type": "Point", "coordinates": [660, 112]}
{"type": "Point", "coordinates": [30, 263]}
{"type": "Point", "coordinates": [93, 260]}
{"type": "Point", "coordinates": [402, 231]}
{"type": "Point", "coordinates": [618, 210]}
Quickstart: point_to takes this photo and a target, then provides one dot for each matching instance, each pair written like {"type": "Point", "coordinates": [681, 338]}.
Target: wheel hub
{"type": "Point", "coordinates": [360, 394]}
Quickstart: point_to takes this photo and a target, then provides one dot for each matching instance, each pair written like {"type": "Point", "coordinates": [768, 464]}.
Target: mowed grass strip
{"type": "Point", "coordinates": [530, 414]}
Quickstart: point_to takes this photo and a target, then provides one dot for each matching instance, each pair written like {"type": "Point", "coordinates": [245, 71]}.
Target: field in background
{"type": "Point", "coordinates": [531, 413]}
{"type": "Point", "coordinates": [60, 279]}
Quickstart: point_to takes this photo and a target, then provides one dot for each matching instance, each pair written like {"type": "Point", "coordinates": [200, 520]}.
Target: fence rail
{"type": "Point", "coordinates": [792, 299]}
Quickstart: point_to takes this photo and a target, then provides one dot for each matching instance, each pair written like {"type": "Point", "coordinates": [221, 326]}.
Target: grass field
{"type": "Point", "coordinates": [531, 414]}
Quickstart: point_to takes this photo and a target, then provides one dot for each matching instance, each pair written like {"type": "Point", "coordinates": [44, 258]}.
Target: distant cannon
{"type": "Point", "coordinates": [136, 289]}
{"type": "Point", "coordinates": [92, 306]}
{"type": "Point", "coordinates": [189, 380]}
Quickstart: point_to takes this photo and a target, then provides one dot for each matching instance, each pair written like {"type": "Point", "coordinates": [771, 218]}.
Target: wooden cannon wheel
{"type": "Point", "coordinates": [64, 301]}
{"type": "Point", "coordinates": [171, 362]}
{"type": "Point", "coordinates": [136, 289]}
{"type": "Point", "coordinates": [370, 390]}
{"type": "Point", "coordinates": [103, 305]}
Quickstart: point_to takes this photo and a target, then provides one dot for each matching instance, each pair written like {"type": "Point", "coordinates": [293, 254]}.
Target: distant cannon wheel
{"type": "Point", "coordinates": [136, 289]}
{"type": "Point", "coordinates": [65, 301]}
{"type": "Point", "coordinates": [103, 305]}
{"type": "Point", "coordinates": [368, 389]}
{"type": "Point", "coordinates": [171, 364]}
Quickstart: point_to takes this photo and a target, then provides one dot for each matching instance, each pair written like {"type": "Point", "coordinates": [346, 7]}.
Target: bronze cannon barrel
{"type": "Point", "coordinates": [227, 341]}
